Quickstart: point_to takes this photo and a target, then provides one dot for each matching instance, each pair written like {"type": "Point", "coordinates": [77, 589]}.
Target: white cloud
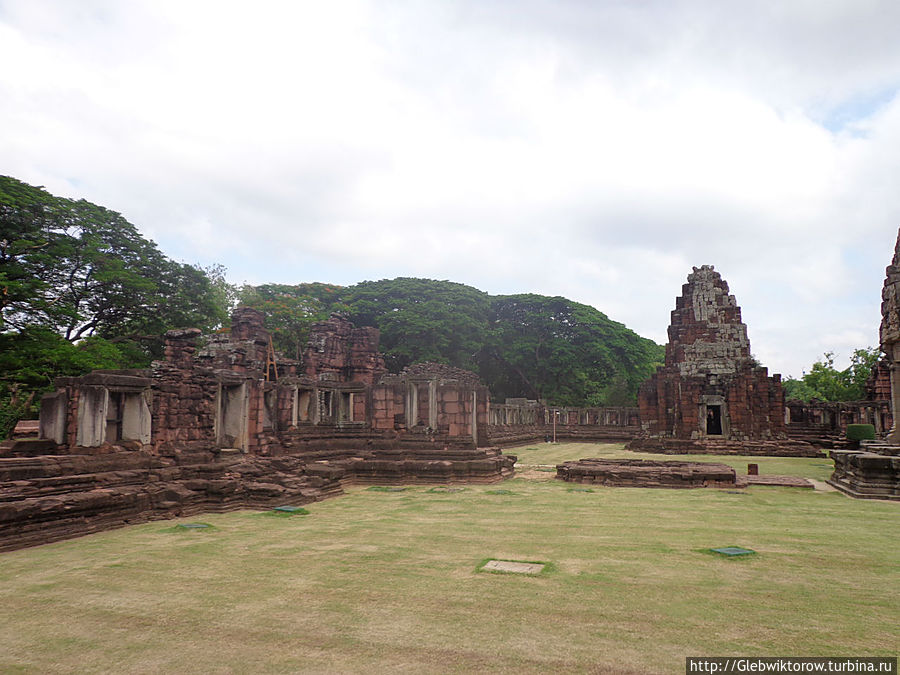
{"type": "Point", "coordinates": [592, 150]}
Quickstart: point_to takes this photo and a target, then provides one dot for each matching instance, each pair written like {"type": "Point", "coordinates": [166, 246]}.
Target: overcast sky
{"type": "Point", "coordinates": [591, 149]}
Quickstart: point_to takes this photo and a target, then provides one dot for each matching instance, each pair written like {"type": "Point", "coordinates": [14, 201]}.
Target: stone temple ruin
{"type": "Point", "coordinates": [711, 396]}
{"type": "Point", "coordinates": [873, 470]}
{"type": "Point", "coordinates": [225, 422]}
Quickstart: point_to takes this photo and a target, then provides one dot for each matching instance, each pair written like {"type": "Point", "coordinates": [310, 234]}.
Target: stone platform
{"type": "Point", "coordinates": [775, 481]}
{"type": "Point", "coordinates": [49, 498]}
{"type": "Point", "coordinates": [45, 498]}
{"type": "Point", "coordinates": [872, 472]}
{"type": "Point", "coordinates": [757, 448]}
{"type": "Point", "coordinates": [646, 473]}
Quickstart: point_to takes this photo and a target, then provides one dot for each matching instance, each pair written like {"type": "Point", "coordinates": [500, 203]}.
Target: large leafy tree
{"type": "Point", "coordinates": [565, 352]}
{"type": "Point", "coordinates": [82, 270]}
{"type": "Point", "coordinates": [32, 240]}
{"type": "Point", "coordinates": [422, 320]}
{"type": "Point", "coordinates": [80, 288]}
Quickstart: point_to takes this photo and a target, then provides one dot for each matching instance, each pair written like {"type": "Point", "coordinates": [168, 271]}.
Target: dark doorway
{"type": "Point", "coordinates": [714, 420]}
{"type": "Point", "coordinates": [114, 414]}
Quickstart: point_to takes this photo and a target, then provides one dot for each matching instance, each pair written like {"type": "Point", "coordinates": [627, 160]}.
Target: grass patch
{"type": "Point", "coordinates": [285, 512]}
{"type": "Point", "coordinates": [443, 489]}
{"type": "Point", "coordinates": [501, 491]}
{"type": "Point", "coordinates": [386, 488]}
{"type": "Point", "coordinates": [181, 528]}
{"type": "Point", "coordinates": [375, 584]}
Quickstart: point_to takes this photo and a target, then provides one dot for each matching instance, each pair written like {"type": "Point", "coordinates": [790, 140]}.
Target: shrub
{"type": "Point", "coordinates": [860, 432]}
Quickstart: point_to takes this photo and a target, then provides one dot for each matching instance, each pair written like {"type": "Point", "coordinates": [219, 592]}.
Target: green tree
{"type": "Point", "coordinates": [565, 352]}
{"type": "Point", "coordinates": [422, 319]}
{"type": "Point", "coordinates": [521, 345]}
{"type": "Point", "coordinates": [80, 288]}
{"type": "Point", "coordinates": [862, 362]}
{"type": "Point", "coordinates": [825, 383]}
{"type": "Point", "coordinates": [798, 390]}
{"type": "Point", "coordinates": [32, 241]}
{"type": "Point", "coordinates": [82, 270]}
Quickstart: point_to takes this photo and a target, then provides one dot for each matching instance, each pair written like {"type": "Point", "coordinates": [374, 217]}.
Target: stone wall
{"type": "Point", "coordinates": [889, 332]}
{"type": "Point", "coordinates": [339, 350]}
{"type": "Point", "coordinates": [878, 384]}
{"type": "Point", "coordinates": [825, 424]}
{"type": "Point", "coordinates": [225, 422]}
{"type": "Point", "coordinates": [47, 498]}
{"type": "Point", "coordinates": [434, 400]}
{"type": "Point", "coordinates": [522, 421]}
{"type": "Point", "coordinates": [869, 472]}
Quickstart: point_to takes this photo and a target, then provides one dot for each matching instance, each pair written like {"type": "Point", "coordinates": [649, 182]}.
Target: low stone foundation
{"type": "Point", "coordinates": [52, 497]}
{"type": "Point", "coordinates": [506, 436]}
{"type": "Point", "coordinates": [49, 498]}
{"type": "Point", "coordinates": [646, 473]}
{"type": "Point", "coordinates": [762, 448]}
{"type": "Point", "coordinates": [872, 472]}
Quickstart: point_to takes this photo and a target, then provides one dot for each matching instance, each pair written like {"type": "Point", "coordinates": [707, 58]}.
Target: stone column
{"type": "Point", "coordinates": [894, 434]}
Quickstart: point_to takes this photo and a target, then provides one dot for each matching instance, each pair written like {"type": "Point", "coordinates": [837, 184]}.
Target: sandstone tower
{"type": "Point", "coordinates": [889, 333]}
{"type": "Point", "coordinates": [711, 393]}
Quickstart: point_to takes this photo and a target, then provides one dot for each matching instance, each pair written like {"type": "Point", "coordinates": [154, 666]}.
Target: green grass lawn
{"type": "Point", "coordinates": [551, 454]}
{"type": "Point", "coordinates": [386, 581]}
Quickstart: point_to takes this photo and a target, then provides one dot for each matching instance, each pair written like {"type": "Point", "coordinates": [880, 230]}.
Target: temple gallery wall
{"type": "Point", "coordinates": [224, 422]}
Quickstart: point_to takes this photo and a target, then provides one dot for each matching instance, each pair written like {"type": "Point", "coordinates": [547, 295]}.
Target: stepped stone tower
{"type": "Point", "coordinates": [889, 333]}
{"type": "Point", "coordinates": [711, 391]}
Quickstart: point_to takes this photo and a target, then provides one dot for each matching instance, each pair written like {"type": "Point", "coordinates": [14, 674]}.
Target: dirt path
{"type": "Point", "coordinates": [822, 486]}
{"type": "Point", "coordinates": [539, 472]}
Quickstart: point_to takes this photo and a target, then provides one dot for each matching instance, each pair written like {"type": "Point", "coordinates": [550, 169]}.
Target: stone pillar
{"type": "Point", "coordinates": [136, 419]}
{"type": "Point", "coordinates": [432, 404]}
{"type": "Point", "coordinates": [894, 434]}
{"type": "Point", "coordinates": [475, 418]}
{"type": "Point", "coordinates": [92, 407]}
{"type": "Point", "coordinates": [53, 416]}
{"type": "Point", "coordinates": [412, 405]}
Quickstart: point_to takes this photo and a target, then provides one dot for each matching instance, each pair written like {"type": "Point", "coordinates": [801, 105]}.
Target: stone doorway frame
{"type": "Point", "coordinates": [707, 402]}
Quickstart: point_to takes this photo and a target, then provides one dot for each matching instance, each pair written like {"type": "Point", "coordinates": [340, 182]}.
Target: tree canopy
{"type": "Point", "coordinates": [529, 346]}
{"type": "Point", "coordinates": [566, 352]}
{"type": "Point", "coordinates": [81, 269]}
{"type": "Point", "coordinates": [422, 320]}
{"type": "Point", "coordinates": [825, 383]}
